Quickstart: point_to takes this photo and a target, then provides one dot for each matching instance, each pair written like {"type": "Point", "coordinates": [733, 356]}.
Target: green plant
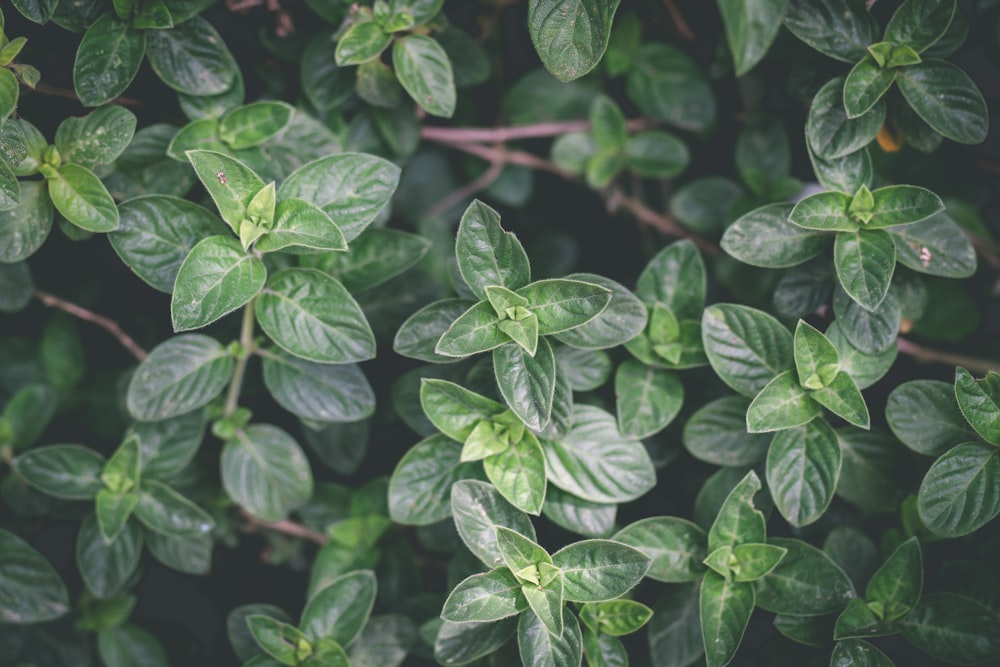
{"type": "Point", "coordinates": [344, 391]}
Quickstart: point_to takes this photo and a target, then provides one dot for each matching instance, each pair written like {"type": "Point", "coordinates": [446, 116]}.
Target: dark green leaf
{"type": "Point", "coordinates": [312, 316]}
{"type": "Point", "coordinates": [656, 155]}
{"type": "Point", "coordinates": [376, 256]}
{"type": "Point", "coordinates": [746, 347]}
{"type": "Point", "coordinates": [704, 205]}
{"type": "Point", "coordinates": [476, 330]}
{"type": "Point", "coordinates": [16, 287]}
{"type": "Point", "coordinates": [279, 639]}
{"type": "Point", "coordinates": [265, 471]}
{"type": "Point", "coordinates": [188, 555]}
{"type": "Point", "coordinates": [946, 99]}
{"type": "Point", "coordinates": [843, 398]}
{"type": "Point", "coordinates": [739, 521]}
{"type": "Point", "coordinates": [803, 465]}
{"type": "Point", "coordinates": [23, 229]}
{"type": "Point", "coordinates": [979, 401]}
{"type": "Point", "coordinates": [750, 29]}
{"type": "Point", "coordinates": [936, 246]}
{"type": "Point", "coordinates": [865, 85]}
{"type": "Point", "coordinates": [675, 629]}
{"type": "Point", "coordinates": [31, 588]}
{"type": "Point", "coordinates": [676, 546]}
{"type": "Point", "coordinates": [840, 29]}
{"type": "Point", "coordinates": [725, 609]}
{"type": "Point", "coordinates": [896, 586]}
{"type": "Point", "coordinates": [192, 58]}
{"type": "Point", "coordinates": [870, 475]}
{"type": "Point", "coordinates": [83, 200]}
{"type": "Point", "coordinates": [716, 433]}
{"type": "Point", "coordinates": [424, 71]}
{"type": "Point", "coordinates": [420, 486]}
{"type": "Point", "coordinates": [765, 237]}
{"type": "Point", "coordinates": [647, 399]}
{"type": "Point", "coordinates": [570, 37]}
{"type": "Point", "coordinates": [216, 278]}
{"type": "Point", "coordinates": [181, 374]}
{"type": "Point", "coordinates": [114, 510]}
{"type": "Point", "coordinates": [903, 204]}
{"type": "Point", "coordinates": [167, 446]}
{"type": "Point", "coordinates": [97, 138]}
{"type": "Point", "coordinates": [107, 60]}
{"type": "Point", "coordinates": [539, 648]}
{"type": "Point", "coordinates": [490, 596]}
{"type": "Point", "coordinates": [807, 582]}
{"type": "Point", "coordinates": [666, 84]}
{"type": "Point", "coordinates": [130, 645]}
{"type": "Point", "coordinates": [622, 319]}
{"type": "Point", "coordinates": [27, 414]}
{"type": "Point", "coordinates": [865, 262]}
{"type": "Point", "coordinates": [830, 133]}
{"type": "Point", "coordinates": [953, 628]}
{"type": "Point", "coordinates": [577, 515]}
{"type": "Point", "coordinates": [324, 392]}
{"type": "Point", "coordinates": [253, 124]}
{"type": "Point", "coordinates": [825, 212]}
{"type": "Point", "coordinates": [870, 332]}
{"type": "Point", "coordinates": [961, 491]}
{"type": "Point", "coordinates": [340, 610]}
{"type": "Point", "coordinates": [240, 637]}
{"type": "Point", "coordinates": [527, 383]}
{"type": "Point", "coordinates": [478, 509]}
{"type": "Point", "coordinates": [461, 643]}
{"type": "Point", "coordinates": [164, 510]}
{"type": "Point", "coordinates": [846, 174]}
{"type": "Point", "coordinates": [64, 471]}
{"type": "Point", "coordinates": [781, 404]}
{"type": "Point", "coordinates": [858, 653]}
{"type": "Point", "coordinates": [106, 568]}
{"type": "Point", "coordinates": [762, 154]}
{"type": "Point", "coordinates": [920, 23]}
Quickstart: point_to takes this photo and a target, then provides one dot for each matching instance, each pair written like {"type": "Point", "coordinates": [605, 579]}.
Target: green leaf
{"type": "Point", "coordinates": [762, 154]}
{"type": "Point", "coordinates": [584, 370]}
{"type": "Point", "coordinates": [351, 188]}
{"type": "Point", "coordinates": [201, 134]}
{"type": "Point", "coordinates": [903, 204]}
{"type": "Point", "coordinates": [870, 332]}
{"type": "Point", "coordinates": [865, 261]}
{"type": "Point", "coordinates": [765, 237]}
{"type": "Point", "coordinates": [265, 471]}
{"type": "Point", "coordinates": [840, 29]}
{"type": "Point", "coordinates": [474, 331]}
{"type": "Point", "coordinates": [844, 399]}
{"type": "Point", "coordinates": [538, 647]}
{"type": "Point", "coordinates": [946, 99]}
{"type": "Point", "coordinates": [869, 477]}
{"type": "Point", "coordinates": [31, 587]}
{"type": "Point", "coordinates": [595, 462]}
{"type": "Point", "coordinates": [300, 227]}
{"type": "Point", "coordinates": [253, 124]}
{"type": "Point", "coordinates": [478, 509]}
{"type": "Point", "coordinates": [324, 392]}
{"type": "Point", "coordinates": [623, 318]}
{"type": "Point", "coordinates": [72, 472]}
{"type": "Point", "coordinates": [858, 620]}
{"type": "Point", "coordinates": [97, 138]}
{"type": "Point", "coordinates": [925, 417]}
{"type": "Point", "coordinates": [717, 433]}
{"type": "Point", "coordinates": [656, 155]}
{"type": "Point", "coordinates": [807, 582]}
{"type": "Point", "coordinates": [598, 570]}
{"type": "Point", "coordinates": [816, 358]}
{"type": "Point", "coordinates": [156, 233]}
{"type": "Point", "coordinates": [865, 85]}
{"type": "Point", "coordinates": [27, 414]}
{"type": "Point", "coordinates": [858, 653]}
{"type": "Point", "coordinates": [188, 555]}
{"type": "Point", "coordinates": [486, 254]}
{"type": "Point", "coordinates": [607, 124]}
{"type": "Point", "coordinates": [454, 410]}
{"type": "Point", "coordinates": [192, 58]}
{"type": "Point", "coordinates": [781, 404]}
{"type": "Point", "coordinates": [746, 347]}
{"type": "Point", "coordinates": [420, 486]}
{"type": "Point", "coordinates": [527, 383]}
{"type": "Point", "coordinates": [164, 510]}
{"type": "Point", "coordinates": [518, 473]}
{"type": "Point", "coordinates": [675, 629]}
{"type": "Point", "coordinates": [896, 586]}
{"type": "Point", "coordinates": [83, 200]}
{"type": "Point", "coordinates": [570, 36]}
{"type": "Point", "coordinates": [24, 228]}
{"type": "Point", "coordinates": [825, 212]}
{"type": "Point", "coordinates": [362, 42]}
{"type": "Point", "coordinates": [936, 246]}
{"type": "Point", "coordinates": [953, 628]}
{"type": "Point", "coordinates": [919, 23]}
{"type": "Point", "coordinates": [231, 183]}
{"type": "Point", "coordinates": [961, 491]}
{"type": "Point", "coordinates": [461, 643]}
{"type": "Point", "coordinates": [216, 278]}
{"type": "Point", "coordinates": [182, 373]}
{"type": "Point", "coordinates": [830, 133]}
{"type": "Point", "coordinates": [561, 305]}
{"type": "Point", "coordinates": [123, 470]}
{"type": "Point", "coordinates": [424, 71]}
{"type": "Point", "coordinates": [312, 316]}
{"type": "Point", "coordinates": [279, 639]}
{"type": "Point", "coordinates": [10, 188]}
{"type": "Point", "coordinates": [376, 256]}
{"type": "Point", "coordinates": [578, 515]}
{"type": "Point", "coordinates": [845, 174]}
{"type": "Point", "coordinates": [113, 511]}
{"type": "Point", "coordinates": [979, 401]}
{"type": "Point", "coordinates": [738, 521]}
{"type": "Point", "coordinates": [340, 610]}
{"type": "Point", "coordinates": [130, 645]}
{"type": "Point", "coordinates": [490, 596]}
{"type": "Point", "coordinates": [725, 609]}
{"type": "Point", "coordinates": [167, 446]}
{"type": "Point", "coordinates": [754, 561]}
{"type": "Point", "coordinates": [803, 465]}
{"type": "Point", "coordinates": [106, 568]}
{"type": "Point", "coordinates": [615, 617]}
{"type": "Point", "coordinates": [647, 399]}
{"type": "Point", "coordinates": [750, 29]}
{"type": "Point", "coordinates": [546, 603]}
{"type": "Point", "coordinates": [238, 630]}
{"type": "Point", "coordinates": [666, 84]}
{"type": "Point", "coordinates": [107, 60]}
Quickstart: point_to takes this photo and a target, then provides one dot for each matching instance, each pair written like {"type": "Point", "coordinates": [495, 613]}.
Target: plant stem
{"type": "Point", "coordinates": [930, 355]}
{"type": "Point", "coordinates": [286, 527]}
{"type": "Point", "coordinates": [616, 199]}
{"type": "Point", "coordinates": [247, 345]}
{"type": "Point", "coordinates": [105, 323]}
{"type": "Point", "coordinates": [457, 196]}
{"type": "Point", "coordinates": [683, 29]}
{"type": "Point", "coordinates": [489, 135]}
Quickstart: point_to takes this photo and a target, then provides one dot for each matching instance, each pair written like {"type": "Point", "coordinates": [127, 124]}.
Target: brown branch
{"type": "Point", "coordinates": [930, 355]}
{"type": "Point", "coordinates": [284, 526]}
{"type": "Point", "coordinates": [616, 199]}
{"type": "Point", "coordinates": [105, 323]}
{"type": "Point", "coordinates": [456, 197]}
{"type": "Point", "coordinates": [504, 156]}
{"type": "Point", "coordinates": [683, 29]}
{"type": "Point", "coordinates": [494, 135]}
{"type": "Point", "coordinates": [54, 91]}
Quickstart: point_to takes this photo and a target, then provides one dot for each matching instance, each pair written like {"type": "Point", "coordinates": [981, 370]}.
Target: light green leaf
{"type": "Point", "coordinates": [490, 596]}
{"type": "Point", "coordinates": [765, 237]}
{"type": "Point", "coordinates": [362, 42]}
{"type": "Point", "coordinates": [301, 227]}
{"type": "Point", "coordinates": [164, 510]}
{"type": "Point", "coordinates": [454, 410]}
{"type": "Point", "coordinates": [253, 124]}
{"type": "Point", "coordinates": [865, 261]}
{"type": "Point", "coordinates": [595, 462]}
{"type": "Point", "coordinates": [647, 399]}
{"type": "Point", "coordinates": [781, 404]}
{"type": "Point", "coordinates": [265, 471]}
{"type": "Point", "coordinates": [83, 200]}
{"type": "Point", "coordinates": [156, 233]}
{"type": "Point", "coordinates": [598, 570]}
{"type": "Point", "coordinates": [842, 397]}
{"type": "Point", "coordinates": [24, 228]}
{"type": "Point", "coordinates": [803, 465]}
{"type": "Point", "coordinates": [64, 471]}
{"type": "Point", "coordinates": [824, 212]}
{"type": "Point", "coordinates": [746, 347]}
{"type": "Point", "coordinates": [113, 511]}
{"type": "Point", "coordinates": [192, 58]}
{"type": "Point", "coordinates": [750, 29]}
{"type": "Point", "coordinates": [518, 473]}
{"type": "Point", "coordinates": [561, 305]}
{"type": "Point", "coordinates": [865, 85]}
{"type": "Point", "coordinates": [476, 330]}
{"type": "Point", "coordinates": [478, 509]}
{"type": "Point", "coordinates": [527, 383]}
{"type": "Point", "coordinates": [97, 138]}
{"type": "Point", "coordinates": [231, 183]}
{"type": "Point", "coordinates": [420, 486]}
{"type": "Point", "coordinates": [312, 316]}
{"type": "Point", "coordinates": [340, 610]}
{"type": "Point", "coordinates": [816, 359]}
{"type": "Point", "coordinates": [961, 491]}
{"type": "Point", "coordinates": [725, 609]}
{"type": "Point", "coordinates": [946, 99]}
{"type": "Point", "coordinates": [279, 639]}
{"type": "Point", "coordinates": [324, 392]}
{"type": "Point", "coordinates": [216, 278]}
{"type": "Point", "coordinates": [182, 373]}
{"type": "Point", "coordinates": [32, 590]}
{"type": "Point", "coordinates": [979, 401]}
{"type": "Point", "coordinates": [424, 70]}
{"type": "Point", "coordinates": [107, 60]}
{"type": "Point", "coordinates": [570, 36]}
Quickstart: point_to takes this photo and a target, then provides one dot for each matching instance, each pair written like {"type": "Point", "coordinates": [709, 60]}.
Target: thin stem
{"type": "Point", "coordinates": [492, 135]}
{"type": "Point", "coordinates": [105, 323]}
{"type": "Point", "coordinates": [616, 199]}
{"type": "Point", "coordinates": [54, 91]}
{"type": "Point", "coordinates": [504, 156]}
{"type": "Point", "coordinates": [683, 29]}
{"type": "Point", "coordinates": [458, 196]}
{"type": "Point", "coordinates": [930, 355]}
{"type": "Point", "coordinates": [286, 527]}
{"type": "Point", "coordinates": [247, 345]}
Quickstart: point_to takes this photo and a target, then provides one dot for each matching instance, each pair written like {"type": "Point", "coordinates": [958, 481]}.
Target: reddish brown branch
{"type": "Point", "coordinates": [930, 355]}
{"type": "Point", "coordinates": [493, 135]}
{"type": "Point", "coordinates": [616, 199]}
{"type": "Point", "coordinates": [286, 527]}
{"type": "Point", "coordinates": [683, 29]}
{"type": "Point", "coordinates": [105, 323]}
{"type": "Point", "coordinates": [54, 91]}
{"type": "Point", "coordinates": [458, 196]}
{"type": "Point", "coordinates": [504, 156]}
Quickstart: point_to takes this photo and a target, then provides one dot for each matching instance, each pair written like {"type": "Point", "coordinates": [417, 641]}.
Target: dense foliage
{"type": "Point", "coordinates": [544, 332]}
